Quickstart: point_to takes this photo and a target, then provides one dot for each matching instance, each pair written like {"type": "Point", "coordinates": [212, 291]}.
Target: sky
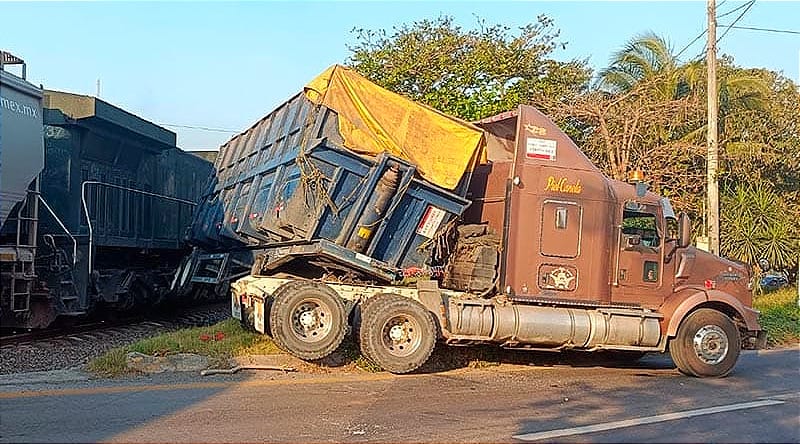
{"type": "Point", "coordinates": [225, 65]}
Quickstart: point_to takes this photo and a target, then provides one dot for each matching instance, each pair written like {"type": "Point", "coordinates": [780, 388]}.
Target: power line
{"type": "Point", "coordinates": [749, 5]}
{"type": "Point", "coordinates": [753, 28]}
{"type": "Point", "coordinates": [699, 56]}
{"type": "Point", "coordinates": [732, 10]}
{"type": "Point", "coordinates": [203, 128]}
{"type": "Point", "coordinates": [691, 43]}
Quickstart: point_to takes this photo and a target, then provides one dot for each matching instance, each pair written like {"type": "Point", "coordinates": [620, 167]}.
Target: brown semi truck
{"type": "Point", "coordinates": [545, 253]}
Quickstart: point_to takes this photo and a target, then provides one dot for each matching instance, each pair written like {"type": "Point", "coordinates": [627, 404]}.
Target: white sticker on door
{"type": "Point", "coordinates": [540, 149]}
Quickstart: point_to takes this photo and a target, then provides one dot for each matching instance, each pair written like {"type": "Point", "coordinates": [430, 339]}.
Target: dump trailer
{"type": "Point", "coordinates": [367, 213]}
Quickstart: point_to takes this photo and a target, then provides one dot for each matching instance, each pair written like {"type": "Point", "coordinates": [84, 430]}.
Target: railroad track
{"type": "Point", "coordinates": [193, 317]}
{"type": "Point", "coordinates": [32, 336]}
{"type": "Point", "coordinates": [68, 347]}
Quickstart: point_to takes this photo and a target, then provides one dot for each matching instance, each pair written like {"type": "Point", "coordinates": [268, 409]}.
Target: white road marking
{"type": "Point", "coordinates": [783, 396]}
{"type": "Point", "coordinates": [550, 434]}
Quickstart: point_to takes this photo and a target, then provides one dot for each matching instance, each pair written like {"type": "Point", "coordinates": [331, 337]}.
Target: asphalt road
{"type": "Point", "coordinates": [646, 402]}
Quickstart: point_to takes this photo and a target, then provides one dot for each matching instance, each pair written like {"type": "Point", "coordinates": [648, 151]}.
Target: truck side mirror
{"type": "Point", "coordinates": [685, 230]}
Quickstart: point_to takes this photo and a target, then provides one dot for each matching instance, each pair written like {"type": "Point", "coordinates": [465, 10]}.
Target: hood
{"type": "Point", "coordinates": [725, 275]}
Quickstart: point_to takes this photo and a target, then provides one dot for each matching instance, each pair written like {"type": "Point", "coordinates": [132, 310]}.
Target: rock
{"type": "Point", "coordinates": [277, 360]}
{"type": "Point", "coordinates": [179, 362]}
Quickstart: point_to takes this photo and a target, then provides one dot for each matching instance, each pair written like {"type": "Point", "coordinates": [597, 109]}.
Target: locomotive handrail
{"type": "Point", "coordinates": [89, 220]}
{"type": "Point", "coordinates": [61, 224]}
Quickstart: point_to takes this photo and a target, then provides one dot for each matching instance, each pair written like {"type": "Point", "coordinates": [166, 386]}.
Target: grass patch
{"type": "Point", "coordinates": [219, 342]}
{"type": "Point", "coordinates": [112, 363]}
{"type": "Point", "coordinates": [780, 316]}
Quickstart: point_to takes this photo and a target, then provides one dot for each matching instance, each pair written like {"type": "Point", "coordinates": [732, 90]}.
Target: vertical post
{"type": "Point", "coordinates": [712, 157]}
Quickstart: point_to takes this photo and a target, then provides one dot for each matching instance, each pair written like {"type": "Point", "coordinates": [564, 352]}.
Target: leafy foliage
{"type": "Point", "coordinates": [471, 73]}
{"type": "Point", "coordinates": [645, 57]}
{"type": "Point", "coordinates": [780, 316]}
{"type": "Point", "coordinates": [756, 224]}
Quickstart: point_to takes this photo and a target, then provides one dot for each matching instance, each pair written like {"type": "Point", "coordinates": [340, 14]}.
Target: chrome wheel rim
{"type": "Point", "coordinates": [401, 335]}
{"type": "Point", "coordinates": [312, 320]}
{"type": "Point", "coordinates": [711, 344]}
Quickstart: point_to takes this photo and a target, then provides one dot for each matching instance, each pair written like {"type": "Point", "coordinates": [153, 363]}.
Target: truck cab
{"type": "Point", "coordinates": [575, 237]}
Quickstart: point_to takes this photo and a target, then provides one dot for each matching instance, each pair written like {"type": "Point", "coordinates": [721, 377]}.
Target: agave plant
{"type": "Point", "coordinates": [756, 224]}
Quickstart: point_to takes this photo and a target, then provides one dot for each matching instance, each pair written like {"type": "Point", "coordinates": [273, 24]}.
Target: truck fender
{"type": "Point", "coordinates": [749, 316]}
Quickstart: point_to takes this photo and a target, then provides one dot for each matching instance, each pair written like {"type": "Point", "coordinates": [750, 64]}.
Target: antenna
{"type": "Point", "coordinates": [98, 88]}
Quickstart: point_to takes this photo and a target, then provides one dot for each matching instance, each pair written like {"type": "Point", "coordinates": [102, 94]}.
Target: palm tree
{"type": "Point", "coordinates": [647, 57]}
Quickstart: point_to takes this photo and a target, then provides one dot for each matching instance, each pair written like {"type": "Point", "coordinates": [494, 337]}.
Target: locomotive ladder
{"type": "Point", "coordinates": [24, 273]}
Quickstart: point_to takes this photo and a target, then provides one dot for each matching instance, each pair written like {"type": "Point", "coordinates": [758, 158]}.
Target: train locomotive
{"type": "Point", "coordinates": [94, 205]}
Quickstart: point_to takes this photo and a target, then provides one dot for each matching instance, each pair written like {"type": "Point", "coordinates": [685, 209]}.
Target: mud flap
{"type": "Point", "coordinates": [761, 340]}
{"type": "Point", "coordinates": [236, 306]}
{"type": "Point", "coordinates": [258, 315]}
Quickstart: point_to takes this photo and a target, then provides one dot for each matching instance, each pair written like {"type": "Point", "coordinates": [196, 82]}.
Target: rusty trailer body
{"type": "Point", "coordinates": [550, 254]}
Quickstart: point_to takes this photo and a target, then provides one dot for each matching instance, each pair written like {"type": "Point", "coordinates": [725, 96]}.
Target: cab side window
{"type": "Point", "coordinates": [642, 225]}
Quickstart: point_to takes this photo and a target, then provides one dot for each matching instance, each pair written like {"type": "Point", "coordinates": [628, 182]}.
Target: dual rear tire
{"type": "Point", "coordinates": [309, 320]}
{"type": "Point", "coordinates": [396, 333]}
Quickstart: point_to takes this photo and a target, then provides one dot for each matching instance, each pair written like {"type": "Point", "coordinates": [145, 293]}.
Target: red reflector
{"type": "Point", "coordinates": [710, 284]}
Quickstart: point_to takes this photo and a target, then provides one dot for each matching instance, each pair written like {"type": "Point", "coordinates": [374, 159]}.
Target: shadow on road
{"type": "Point", "coordinates": [596, 402]}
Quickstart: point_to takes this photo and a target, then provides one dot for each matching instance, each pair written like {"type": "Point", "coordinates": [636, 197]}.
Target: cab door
{"type": "Point", "coordinates": [639, 267]}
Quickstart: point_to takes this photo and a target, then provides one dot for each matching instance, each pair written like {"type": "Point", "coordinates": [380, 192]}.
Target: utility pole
{"type": "Point", "coordinates": [712, 156]}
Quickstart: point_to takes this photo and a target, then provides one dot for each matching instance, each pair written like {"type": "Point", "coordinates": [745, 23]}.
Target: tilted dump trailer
{"type": "Point", "coordinates": [516, 239]}
{"type": "Point", "coordinates": [291, 193]}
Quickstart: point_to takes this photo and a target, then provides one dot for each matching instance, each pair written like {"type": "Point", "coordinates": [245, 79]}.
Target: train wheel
{"type": "Point", "coordinates": [307, 319]}
{"type": "Point", "coordinates": [707, 344]}
{"type": "Point", "coordinates": [397, 333]}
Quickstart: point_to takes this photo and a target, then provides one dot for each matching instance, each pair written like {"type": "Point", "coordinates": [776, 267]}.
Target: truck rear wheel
{"type": "Point", "coordinates": [397, 333]}
{"type": "Point", "coordinates": [307, 319]}
{"type": "Point", "coordinates": [707, 344]}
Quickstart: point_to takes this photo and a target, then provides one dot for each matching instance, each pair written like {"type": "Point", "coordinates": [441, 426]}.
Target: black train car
{"type": "Point", "coordinates": [115, 198]}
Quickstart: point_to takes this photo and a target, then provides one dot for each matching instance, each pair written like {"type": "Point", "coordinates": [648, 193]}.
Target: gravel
{"type": "Point", "coordinates": [76, 350]}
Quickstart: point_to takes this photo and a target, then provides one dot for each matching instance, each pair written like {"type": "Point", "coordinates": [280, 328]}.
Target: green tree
{"type": "Point", "coordinates": [469, 73]}
{"type": "Point", "coordinates": [648, 57]}
{"type": "Point", "coordinates": [763, 142]}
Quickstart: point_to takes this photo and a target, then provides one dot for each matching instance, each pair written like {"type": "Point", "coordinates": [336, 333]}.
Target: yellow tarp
{"type": "Point", "coordinates": [373, 120]}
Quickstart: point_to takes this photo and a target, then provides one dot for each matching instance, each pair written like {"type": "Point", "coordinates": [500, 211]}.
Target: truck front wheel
{"type": "Point", "coordinates": [397, 333]}
{"type": "Point", "coordinates": [307, 319]}
{"type": "Point", "coordinates": [706, 344]}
